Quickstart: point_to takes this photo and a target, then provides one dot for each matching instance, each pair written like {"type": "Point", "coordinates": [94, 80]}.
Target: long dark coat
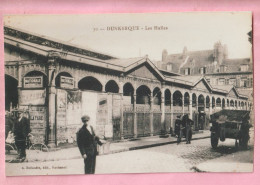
{"type": "Point", "coordinates": [87, 144]}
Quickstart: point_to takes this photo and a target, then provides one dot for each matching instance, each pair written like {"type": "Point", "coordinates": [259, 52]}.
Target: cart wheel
{"type": "Point", "coordinates": [214, 141]}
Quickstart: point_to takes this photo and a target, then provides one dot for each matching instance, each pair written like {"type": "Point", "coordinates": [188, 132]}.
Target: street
{"type": "Point", "coordinates": [166, 158]}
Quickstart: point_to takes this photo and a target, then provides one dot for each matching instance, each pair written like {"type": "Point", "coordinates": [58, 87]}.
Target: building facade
{"type": "Point", "coordinates": [58, 82]}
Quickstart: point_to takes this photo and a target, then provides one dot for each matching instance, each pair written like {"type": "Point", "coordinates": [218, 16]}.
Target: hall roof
{"type": "Point", "coordinates": [45, 46]}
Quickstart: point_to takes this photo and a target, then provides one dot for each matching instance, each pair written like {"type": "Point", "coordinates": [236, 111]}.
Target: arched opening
{"type": "Point", "coordinates": [157, 96]}
{"type": "Point", "coordinates": [242, 105]}
{"type": "Point", "coordinates": [194, 98]}
{"type": "Point", "coordinates": [236, 104]}
{"type": "Point", "coordinates": [239, 104]}
{"type": "Point", "coordinates": [128, 90]}
{"type": "Point", "coordinates": [218, 102]}
{"type": "Point", "coordinates": [112, 87]}
{"type": "Point", "coordinates": [58, 78]}
{"type": "Point", "coordinates": [223, 103]}
{"type": "Point", "coordinates": [142, 95]}
{"type": "Point", "coordinates": [90, 83]}
{"type": "Point", "coordinates": [207, 102]}
{"type": "Point", "coordinates": [177, 98]}
{"type": "Point", "coordinates": [11, 92]}
{"type": "Point", "coordinates": [201, 100]}
{"type": "Point", "coordinates": [227, 102]}
{"type": "Point", "coordinates": [231, 103]}
{"type": "Point", "coordinates": [213, 102]}
{"type": "Point", "coordinates": [186, 99]}
{"type": "Point", "coordinates": [167, 97]}
{"type": "Point", "coordinates": [38, 73]}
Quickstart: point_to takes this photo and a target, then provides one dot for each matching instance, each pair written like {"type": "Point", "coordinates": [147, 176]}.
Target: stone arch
{"type": "Point", "coordinates": [90, 83]}
{"type": "Point", "coordinates": [232, 103]}
{"type": "Point", "coordinates": [38, 73]}
{"type": "Point", "coordinates": [223, 103]}
{"type": "Point", "coordinates": [167, 97]}
{"type": "Point", "coordinates": [207, 101]}
{"type": "Point", "coordinates": [11, 92]}
{"type": "Point", "coordinates": [142, 95]}
{"type": "Point", "coordinates": [213, 102]}
{"type": "Point", "coordinates": [218, 102]}
{"type": "Point", "coordinates": [128, 90]}
{"type": "Point", "coordinates": [194, 100]}
{"type": "Point", "coordinates": [58, 76]}
{"type": "Point", "coordinates": [201, 100]}
{"type": "Point", "coordinates": [177, 98]}
{"type": "Point", "coordinates": [112, 86]}
{"type": "Point", "coordinates": [157, 94]}
{"type": "Point", "coordinates": [242, 104]}
{"type": "Point", "coordinates": [186, 99]}
{"type": "Point", "coordinates": [227, 102]}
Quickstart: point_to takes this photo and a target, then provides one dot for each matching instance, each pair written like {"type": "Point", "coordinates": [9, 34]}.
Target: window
{"type": "Point", "coordinates": [187, 71]}
{"type": "Point", "coordinates": [169, 67]}
{"type": "Point", "coordinates": [232, 81]}
{"type": "Point", "coordinates": [221, 81]}
{"type": "Point", "coordinates": [244, 67]}
{"type": "Point", "coordinates": [203, 70]}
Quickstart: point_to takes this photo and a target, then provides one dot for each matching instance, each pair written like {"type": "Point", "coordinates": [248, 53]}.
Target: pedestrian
{"type": "Point", "coordinates": [187, 124]}
{"type": "Point", "coordinates": [87, 142]}
{"type": "Point", "coordinates": [177, 128]}
{"type": "Point", "coordinates": [21, 130]}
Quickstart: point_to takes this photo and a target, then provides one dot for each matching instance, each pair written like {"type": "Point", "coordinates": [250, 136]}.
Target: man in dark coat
{"type": "Point", "coordinates": [21, 130]}
{"type": "Point", "coordinates": [177, 129]}
{"type": "Point", "coordinates": [87, 143]}
{"type": "Point", "coordinates": [187, 124]}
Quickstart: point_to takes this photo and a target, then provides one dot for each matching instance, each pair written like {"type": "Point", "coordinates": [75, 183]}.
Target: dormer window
{"type": "Point", "coordinates": [187, 71]}
{"type": "Point", "coordinates": [244, 67]}
{"type": "Point", "coordinates": [169, 67]}
{"type": "Point", "coordinates": [203, 70]}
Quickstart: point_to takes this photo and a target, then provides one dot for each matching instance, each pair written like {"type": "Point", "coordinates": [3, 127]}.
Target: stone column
{"type": "Point", "coordinates": [172, 124]}
{"type": "Point", "coordinates": [210, 105]}
{"type": "Point", "coordinates": [197, 104]}
{"type": "Point", "coordinates": [190, 107]}
{"type": "Point", "coordinates": [163, 124]}
{"type": "Point", "coordinates": [20, 81]}
{"type": "Point", "coordinates": [183, 104]}
{"type": "Point", "coordinates": [51, 104]}
{"type": "Point", "coordinates": [135, 115]}
{"type": "Point", "coordinates": [205, 105]}
{"type": "Point", "coordinates": [151, 114]}
{"type": "Point", "coordinates": [121, 92]}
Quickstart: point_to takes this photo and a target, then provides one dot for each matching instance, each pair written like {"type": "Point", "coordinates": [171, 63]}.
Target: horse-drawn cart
{"type": "Point", "coordinates": [232, 124]}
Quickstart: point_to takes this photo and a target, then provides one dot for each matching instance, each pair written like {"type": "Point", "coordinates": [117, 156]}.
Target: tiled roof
{"type": "Point", "coordinates": [124, 62]}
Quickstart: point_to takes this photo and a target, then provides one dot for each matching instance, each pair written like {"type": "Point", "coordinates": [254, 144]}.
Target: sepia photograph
{"type": "Point", "coordinates": [128, 93]}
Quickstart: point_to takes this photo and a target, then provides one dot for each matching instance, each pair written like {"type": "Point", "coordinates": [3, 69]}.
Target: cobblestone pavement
{"type": "Point", "coordinates": [165, 158]}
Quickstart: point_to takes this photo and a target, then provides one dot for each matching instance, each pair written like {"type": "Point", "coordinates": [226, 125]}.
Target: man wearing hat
{"type": "Point", "coordinates": [177, 129]}
{"type": "Point", "coordinates": [21, 130]}
{"type": "Point", "coordinates": [87, 143]}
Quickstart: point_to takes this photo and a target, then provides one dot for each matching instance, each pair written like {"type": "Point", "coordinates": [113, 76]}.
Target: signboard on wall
{"type": "Point", "coordinates": [66, 82]}
{"type": "Point", "coordinates": [32, 97]}
{"type": "Point", "coordinates": [33, 82]}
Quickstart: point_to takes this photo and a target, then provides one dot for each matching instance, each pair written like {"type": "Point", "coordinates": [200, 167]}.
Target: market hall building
{"type": "Point", "coordinates": [125, 98]}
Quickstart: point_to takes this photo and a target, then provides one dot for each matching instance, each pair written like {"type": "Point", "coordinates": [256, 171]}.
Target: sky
{"type": "Point", "coordinates": [195, 30]}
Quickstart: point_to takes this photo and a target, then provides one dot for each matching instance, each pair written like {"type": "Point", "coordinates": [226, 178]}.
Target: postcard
{"type": "Point", "coordinates": [128, 93]}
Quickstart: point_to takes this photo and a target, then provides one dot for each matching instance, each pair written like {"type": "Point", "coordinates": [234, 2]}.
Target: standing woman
{"type": "Point", "coordinates": [87, 143]}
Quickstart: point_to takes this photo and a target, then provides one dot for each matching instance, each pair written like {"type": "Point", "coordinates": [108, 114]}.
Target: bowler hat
{"type": "Point", "coordinates": [85, 118]}
{"type": "Point", "coordinates": [178, 116]}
